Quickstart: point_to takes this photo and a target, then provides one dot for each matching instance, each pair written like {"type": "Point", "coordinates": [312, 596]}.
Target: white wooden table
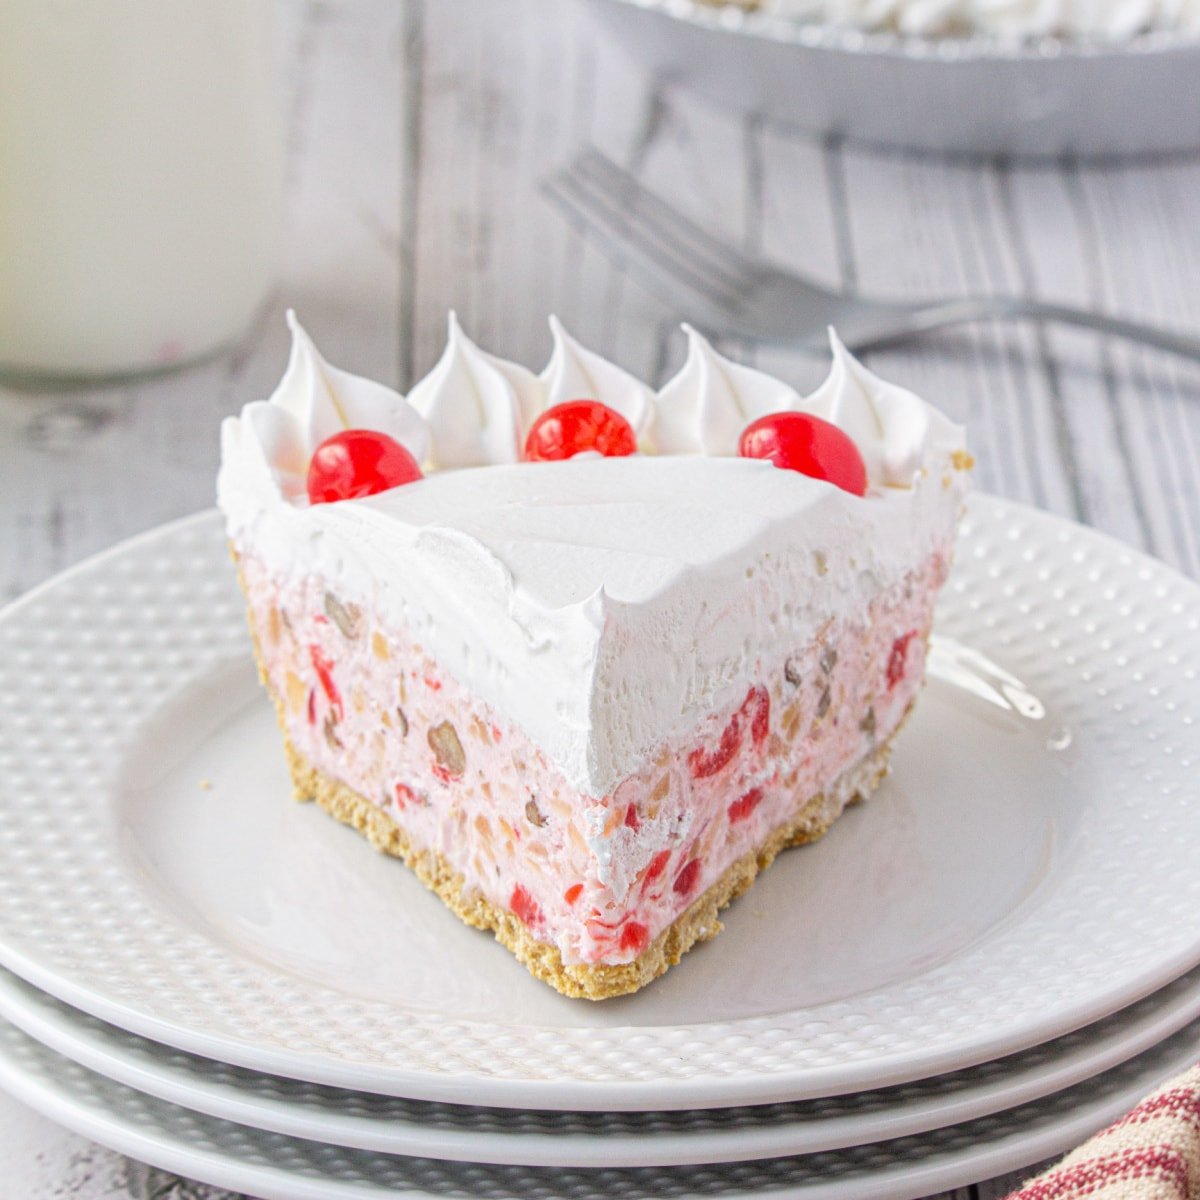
{"type": "Point", "coordinates": [417, 133]}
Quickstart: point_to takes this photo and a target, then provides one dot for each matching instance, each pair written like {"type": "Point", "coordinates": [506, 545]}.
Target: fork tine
{"type": "Point", "coordinates": [646, 255]}
{"type": "Point", "coordinates": [690, 238]}
{"type": "Point", "coordinates": [626, 225]}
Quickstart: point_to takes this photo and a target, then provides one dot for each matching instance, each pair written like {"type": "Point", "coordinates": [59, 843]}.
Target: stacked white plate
{"type": "Point", "coordinates": [992, 959]}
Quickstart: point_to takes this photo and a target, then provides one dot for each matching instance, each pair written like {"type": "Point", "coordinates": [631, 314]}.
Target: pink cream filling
{"type": "Point", "coordinates": [599, 877]}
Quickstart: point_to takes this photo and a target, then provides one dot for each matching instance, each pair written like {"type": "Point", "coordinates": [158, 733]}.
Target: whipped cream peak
{"type": "Point", "coordinates": [327, 400]}
{"type": "Point", "coordinates": [474, 409]}
{"type": "Point", "coordinates": [576, 373]}
{"type": "Point", "coordinates": [704, 409]}
{"type": "Point", "coordinates": [312, 402]}
{"type": "Point", "coordinates": [477, 405]}
{"type": "Point", "coordinates": [274, 444]}
{"type": "Point", "coordinates": [893, 428]}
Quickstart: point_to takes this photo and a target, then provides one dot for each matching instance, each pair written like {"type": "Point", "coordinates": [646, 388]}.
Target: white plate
{"type": "Point", "coordinates": [1043, 98]}
{"type": "Point", "coordinates": [280, 1168]}
{"type": "Point", "coordinates": [1029, 867]}
{"type": "Point", "coordinates": [532, 1138]}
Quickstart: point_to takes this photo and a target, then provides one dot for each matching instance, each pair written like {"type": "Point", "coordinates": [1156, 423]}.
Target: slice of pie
{"type": "Point", "coordinates": [587, 700]}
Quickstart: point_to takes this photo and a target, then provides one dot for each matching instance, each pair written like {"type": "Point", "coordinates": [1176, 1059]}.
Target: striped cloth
{"type": "Point", "coordinates": [1152, 1153]}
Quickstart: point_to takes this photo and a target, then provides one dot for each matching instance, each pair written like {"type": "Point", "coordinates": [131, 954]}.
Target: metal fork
{"type": "Point", "coordinates": [723, 290]}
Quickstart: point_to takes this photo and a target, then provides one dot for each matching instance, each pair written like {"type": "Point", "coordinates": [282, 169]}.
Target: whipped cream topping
{"type": "Point", "coordinates": [892, 427]}
{"type": "Point", "coordinates": [312, 402]}
{"type": "Point", "coordinates": [477, 404]}
{"type": "Point", "coordinates": [704, 409]}
{"type": "Point", "coordinates": [546, 588]}
{"type": "Point", "coordinates": [474, 408]}
{"type": "Point", "coordinates": [1079, 20]}
{"type": "Point", "coordinates": [575, 373]}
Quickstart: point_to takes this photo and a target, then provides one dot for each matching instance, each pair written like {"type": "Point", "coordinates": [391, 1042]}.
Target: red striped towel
{"type": "Point", "coordinates": [1152, 1153]}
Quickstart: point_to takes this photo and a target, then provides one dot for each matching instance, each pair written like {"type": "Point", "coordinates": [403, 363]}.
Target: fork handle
{"type": "Point", "coordinates": [977, 308]}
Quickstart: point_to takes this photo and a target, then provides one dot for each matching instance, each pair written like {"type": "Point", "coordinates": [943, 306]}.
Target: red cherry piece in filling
{"type": "Point", "coordinates": [324, 669]}
{"type": "Point", "coordinates": [578, 425]}
{"type": "Point", "coordinates": [634, 936]}
{"type": "Point", "coordinates": [808, 444]}
{"type": "Point", "coordinates": [898, 658]}
{"type": "Point", "coordinates": [741, 808]}
{"type": "Point", "coordinates": [703, 762]}
{"type": "Point", "coordinates": [358, 462]}
{"type": "Point", "coordinates": [657, 863]}
{"type": "Point", "coordinates": [525, 906]}
{"type": "Point", "coordinates": [756, 709]}
{"type": "Point", "coordinates": [686, 880]}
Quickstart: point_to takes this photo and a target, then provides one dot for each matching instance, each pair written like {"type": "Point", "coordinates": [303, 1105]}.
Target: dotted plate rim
{"type": "Point", "coordinates": [1029, 588]}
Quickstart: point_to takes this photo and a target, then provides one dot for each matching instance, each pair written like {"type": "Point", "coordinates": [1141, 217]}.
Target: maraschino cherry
{"type": "Point", "coordinates": [358, 462]}
{"type": "Point", "coordinates": [808, 444]}
{"type": "Point", "coordinates": [575, 426]}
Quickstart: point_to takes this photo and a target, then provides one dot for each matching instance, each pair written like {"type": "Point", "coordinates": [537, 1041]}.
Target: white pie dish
{"type": "Point", "coordinates": [1047, 98]}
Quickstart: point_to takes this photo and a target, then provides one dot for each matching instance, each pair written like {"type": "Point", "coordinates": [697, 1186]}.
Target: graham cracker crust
{"type": "Point", "coordinates": [697, 924]}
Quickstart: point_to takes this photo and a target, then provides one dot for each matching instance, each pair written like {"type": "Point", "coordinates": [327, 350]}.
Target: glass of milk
{"type": "Point", "coordinates": [141, 154]}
